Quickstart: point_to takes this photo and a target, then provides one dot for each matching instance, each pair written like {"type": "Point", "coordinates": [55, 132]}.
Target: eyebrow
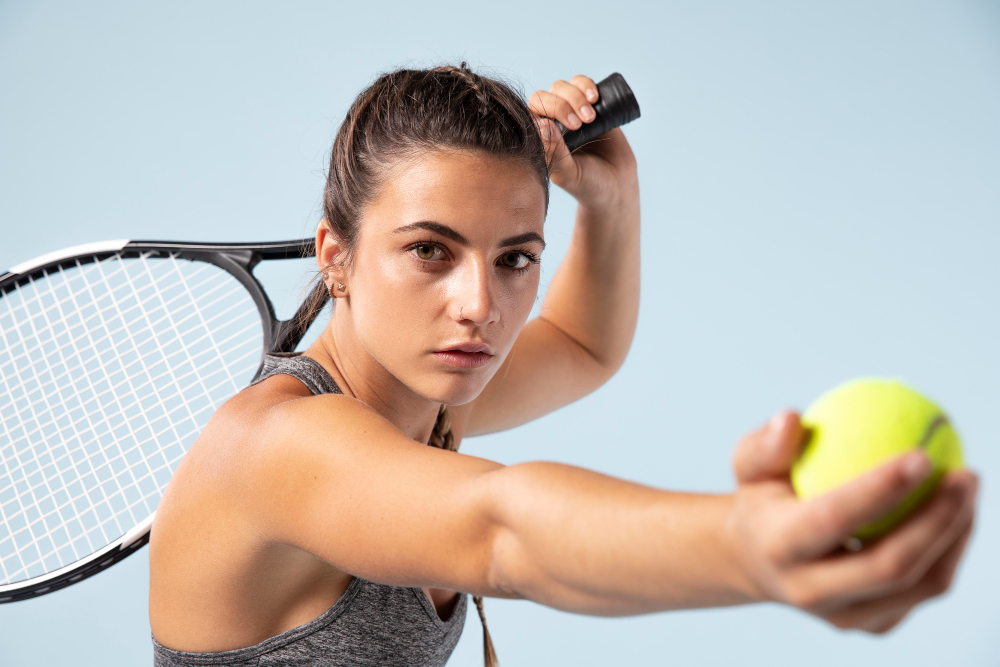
{"type": "Point", "coordinates": [446, 231]}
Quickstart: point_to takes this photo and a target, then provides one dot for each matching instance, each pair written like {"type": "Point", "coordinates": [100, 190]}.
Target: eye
{"type": "Point", "coordinates": [425, 251]}
{"type": "Point", "coordinates": [518, 260]}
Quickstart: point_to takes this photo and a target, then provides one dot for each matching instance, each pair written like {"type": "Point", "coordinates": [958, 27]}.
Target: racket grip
{"type": "Point", "coordinates": [615, 106]}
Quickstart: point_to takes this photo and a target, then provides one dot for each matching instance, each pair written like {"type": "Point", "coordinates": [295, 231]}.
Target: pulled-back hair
{"type": "Point", "coordinates": [410, 112]}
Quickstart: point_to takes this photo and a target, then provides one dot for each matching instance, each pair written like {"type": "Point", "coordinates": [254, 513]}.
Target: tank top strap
{"type": "Point", "coordinates": [305, 369]}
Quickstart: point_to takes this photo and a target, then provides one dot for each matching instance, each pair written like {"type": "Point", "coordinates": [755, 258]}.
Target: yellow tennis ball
{"type": "Point", "coordinates": [862, 423]}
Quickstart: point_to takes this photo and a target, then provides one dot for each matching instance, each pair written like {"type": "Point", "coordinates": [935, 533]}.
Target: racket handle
{"type": "Point", "coordinates": [615, 106]}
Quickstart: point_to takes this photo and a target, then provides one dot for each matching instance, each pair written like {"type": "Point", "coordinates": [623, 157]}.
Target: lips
{"type": "Point", "coordinates": [466, 355]}
{"type": "Point", "coordinates": [469, 347]}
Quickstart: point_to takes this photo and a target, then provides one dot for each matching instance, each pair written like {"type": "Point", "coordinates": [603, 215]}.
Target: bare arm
{"type": "Point", "coordinates": [588, 543]}
{"type": "Point", "coordinates": [594, 295]}
{"type": "Point", "coordinates": [332, 477]}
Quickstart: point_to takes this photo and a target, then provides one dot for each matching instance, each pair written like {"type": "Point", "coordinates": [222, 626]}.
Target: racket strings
{"type": "Point", "coordinates": [108, 371]}
{"type": "Point", "coordinates": [140, 450]}
{"type": "Point", "coordinates": [31, 493]}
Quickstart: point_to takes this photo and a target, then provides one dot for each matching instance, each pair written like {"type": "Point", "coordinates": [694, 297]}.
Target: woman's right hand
{"type": "Point", "coordinates": [792, 550]}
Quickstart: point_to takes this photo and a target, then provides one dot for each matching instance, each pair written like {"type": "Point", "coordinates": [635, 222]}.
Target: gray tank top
{"type": "Point", "coordinates": [369, 624]}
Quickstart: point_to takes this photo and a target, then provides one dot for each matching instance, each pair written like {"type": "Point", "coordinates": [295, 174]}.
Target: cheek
{"type": "Point", "coordinates": [392, 303]}
{"type": "Point", "coordinates": [519, 295]}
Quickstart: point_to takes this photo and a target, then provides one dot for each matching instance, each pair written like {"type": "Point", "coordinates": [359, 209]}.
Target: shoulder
{"type": "Point", "coordinates": [232, 445]}
{"type": "Point", "coordinates": [260, 426]}
{"type": "Point", "coordinates": [328, 475]}
{"type": "Point", "coordinates": [273, 437]}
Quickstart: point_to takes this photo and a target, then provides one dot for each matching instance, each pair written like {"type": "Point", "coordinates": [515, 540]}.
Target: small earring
{"type": "Point", "coordinates": [340, 286]}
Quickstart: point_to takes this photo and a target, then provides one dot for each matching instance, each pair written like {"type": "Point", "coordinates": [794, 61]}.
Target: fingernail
{"type": "Point", "coordinates": [587, 113]}
{"type": "Point", "coordinates": [774, 429]}
{"type": "Point", "coordinates": [776, 422]}
{"type": "Point", "coordinates": [573, 121]}
{"type": "Point", "coordinates": [592, 94]}
{"type": "Point", "coordinates": [916, 466]}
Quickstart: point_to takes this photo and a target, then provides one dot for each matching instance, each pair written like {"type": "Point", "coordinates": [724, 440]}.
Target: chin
{"type": "Point", "coordinates": [454, 388]}
{"type": "Point", "coordinates": [458, 395]}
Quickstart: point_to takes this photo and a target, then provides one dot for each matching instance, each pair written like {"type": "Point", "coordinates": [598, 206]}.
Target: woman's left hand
{"type": "Point", "coordinates": [602, 173]}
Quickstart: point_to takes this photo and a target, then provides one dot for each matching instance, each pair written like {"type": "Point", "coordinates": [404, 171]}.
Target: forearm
{"type": "Point", "coordinates": [594, 295]}
{"type": "Point", "coordinates": [584, 542]}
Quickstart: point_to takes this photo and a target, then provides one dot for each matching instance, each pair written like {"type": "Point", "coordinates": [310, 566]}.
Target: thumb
{"type": "Point", "coordinates": [768, 452]}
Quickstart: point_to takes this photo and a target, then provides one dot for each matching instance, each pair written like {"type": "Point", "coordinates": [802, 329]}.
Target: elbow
{"type": "Point", "coordinates": [506, 561]}
{"type": "Point", "coordinates": [611, 363]}
{"type": "Point", "coordinates": [612, 358]}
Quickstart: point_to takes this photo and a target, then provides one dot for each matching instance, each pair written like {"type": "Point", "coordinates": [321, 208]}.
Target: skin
{"type": "Point", "coordinates": [286, 496]}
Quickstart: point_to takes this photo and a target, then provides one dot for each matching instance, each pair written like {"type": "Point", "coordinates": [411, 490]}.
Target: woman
{"type": "Point", "coordinates": [327, 532]}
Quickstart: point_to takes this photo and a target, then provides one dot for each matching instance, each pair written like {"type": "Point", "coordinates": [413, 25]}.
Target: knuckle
{"type": "Point", "coordinates": [885, 481]}
{"type": "Point", "coordinates": [774, 548]}
{"type": "Point", "coordinates": [893, 567]}
{"type": "Point", "coordinates": [829, 519]}
{"type": "Point", "coordinates": [803, 597]}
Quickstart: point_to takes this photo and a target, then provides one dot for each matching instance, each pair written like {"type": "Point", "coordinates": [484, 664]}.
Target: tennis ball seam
{"type": "Point", "coordinates": [938, 422]}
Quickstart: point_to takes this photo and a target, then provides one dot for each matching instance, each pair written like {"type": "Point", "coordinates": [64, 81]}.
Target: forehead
{"type": "Point", "coordinates": [461, 188]}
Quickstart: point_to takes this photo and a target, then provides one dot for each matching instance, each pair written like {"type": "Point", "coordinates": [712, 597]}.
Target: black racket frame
{"type": "Point", "coordinates": [237, 259]}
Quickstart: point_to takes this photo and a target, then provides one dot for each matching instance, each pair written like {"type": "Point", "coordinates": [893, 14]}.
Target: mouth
{"type": "Point", "coordinates": [466, 355]}
{"type": "Point", "coordinates": [469, 347]}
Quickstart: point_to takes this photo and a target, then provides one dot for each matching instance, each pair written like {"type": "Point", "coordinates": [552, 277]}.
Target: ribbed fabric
{"type": "Point", "coordinates": [369, 624]}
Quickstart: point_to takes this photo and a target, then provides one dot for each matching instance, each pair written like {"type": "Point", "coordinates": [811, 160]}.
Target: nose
{"type": "Point", "coordinates": [474, 299]}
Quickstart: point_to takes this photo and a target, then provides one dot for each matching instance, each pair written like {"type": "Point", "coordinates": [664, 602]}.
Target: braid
{"type": "Point", "coordinates": [442, 438]}
{"type": "Point", "coordinates": [491, 655]}
{"type": "Point", "coordinates": [472, 81]}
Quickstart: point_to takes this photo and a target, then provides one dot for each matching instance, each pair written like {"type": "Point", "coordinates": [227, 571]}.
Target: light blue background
{"type": "Point", "coordinates": [821, 199]}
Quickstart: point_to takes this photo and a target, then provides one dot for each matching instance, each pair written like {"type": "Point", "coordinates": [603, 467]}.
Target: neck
{"type": "Point", "coordinates": [359, 375]}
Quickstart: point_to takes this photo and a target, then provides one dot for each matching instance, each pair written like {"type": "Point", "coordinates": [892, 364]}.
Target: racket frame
{"type": "Point", "coordinates": [279, 336]}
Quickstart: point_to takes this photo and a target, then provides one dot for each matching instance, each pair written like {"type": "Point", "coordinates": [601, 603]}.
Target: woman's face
{"type": "Point", "coordinates": [447, 254]}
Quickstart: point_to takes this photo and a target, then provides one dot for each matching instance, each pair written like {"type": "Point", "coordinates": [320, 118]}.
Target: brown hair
{"type": "Point", "coordinates": [408, 112]}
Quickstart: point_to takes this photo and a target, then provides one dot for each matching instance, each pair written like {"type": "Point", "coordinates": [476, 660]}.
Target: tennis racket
{"type": "Point", "coordinates": [113, 356]}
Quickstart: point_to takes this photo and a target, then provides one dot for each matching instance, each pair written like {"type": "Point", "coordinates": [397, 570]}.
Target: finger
{"type": "Point", "coordinates": [898, 560]}
{"type": "Point", "coordinates": [563, 170]}
{"type": "Point", "coordinates": [551, 105]}
{"type": "Point", "coordinates": [587, 85]}
{"type": "Point", "coordinates": [768, 452]}
{"type": "Point", "coordinates": [576, 98]}
{"type": "Point", "coordinates": [882, 614]}
{"type": "Point", "coordinates": [826, 521]}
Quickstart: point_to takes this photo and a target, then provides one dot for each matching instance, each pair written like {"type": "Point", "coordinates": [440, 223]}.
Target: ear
{"type": "Point", "coordinates": [329, 253]}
